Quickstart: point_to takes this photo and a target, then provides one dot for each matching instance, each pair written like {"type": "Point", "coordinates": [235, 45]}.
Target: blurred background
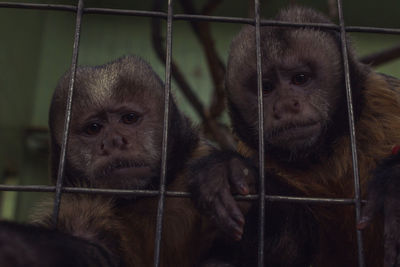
{"type": "Point", "coordinates": [36, 49]}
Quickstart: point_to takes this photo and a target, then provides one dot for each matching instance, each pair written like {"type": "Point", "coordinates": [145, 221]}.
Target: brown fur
{"type": "Point", "coordinates": [377, 130]}
{"type": "Point", "coordinates": [128, 231]}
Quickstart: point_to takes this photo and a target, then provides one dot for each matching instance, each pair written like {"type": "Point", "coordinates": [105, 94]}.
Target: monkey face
{"type": "Point", "coordinates": [116, 125]}
{"type": "Point", "coordinates": [292, 121]}
{"type": "Point", "coordinates": [114, 145]}
{"type": "Point", "coordinates": [301, 88]}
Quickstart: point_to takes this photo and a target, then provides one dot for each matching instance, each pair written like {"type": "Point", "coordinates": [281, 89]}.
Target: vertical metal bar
{"type": "Point", "coordinates": [352, 132]}
{"type": "Point", "coordinates": [167, 90]}
{"type": "Point", "coordinates": [260, 138]}
{"type": "Point", "coordinates": [61, 165]}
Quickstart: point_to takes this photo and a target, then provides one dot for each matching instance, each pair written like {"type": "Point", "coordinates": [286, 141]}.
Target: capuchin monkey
{"type": "Point", "coordinates": [307, 149]}
{"type": "Point", "coordinates": [114, 142]}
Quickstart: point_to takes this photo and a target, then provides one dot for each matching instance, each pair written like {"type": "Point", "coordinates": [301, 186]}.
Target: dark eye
{"type": "Point", "coordinates": [300, 79]}
{"type": "Point", "coordinates": [130, 118]}
{"type": "Point", "coordinates": [267, 86]}
{"type": "Point", "coordinates": [93, 128]}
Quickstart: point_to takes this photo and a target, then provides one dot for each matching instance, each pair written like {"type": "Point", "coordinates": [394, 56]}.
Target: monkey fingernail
{"type": "Point", "coordinates": [362, 223]}
{"type": "Point", "coordinates": [241, 223]}
{"type": "Point", "coordinates": [361, 226]}
{"type": "Point", "coordinates": [238, 235]}
{"type": "Point", "coordinates": [243, 189]}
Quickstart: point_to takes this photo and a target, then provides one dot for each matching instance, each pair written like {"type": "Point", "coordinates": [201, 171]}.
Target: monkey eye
{"type": "Point", "coordinates": [93, 128]}
{"type": "Point", "coordinates": [130, 118]}
{"type": "Point", "coordinates": [300, 78]}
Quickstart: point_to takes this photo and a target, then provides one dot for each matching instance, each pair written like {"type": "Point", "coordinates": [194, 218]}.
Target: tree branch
{"type": "Point", "coordinates": [211, 128]}
{"type": "Point", "coordinates": [215, 64]}
{"type": "Point", "coordinates": [382, 57]}
{"type": "Point", "coordinates": [332, 9]}
{"type": "Point", "coordinates": [158, 46]}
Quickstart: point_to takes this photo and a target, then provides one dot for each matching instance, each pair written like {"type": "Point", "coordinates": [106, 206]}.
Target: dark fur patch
{"type": "Point", "coordinates": [29, 245]}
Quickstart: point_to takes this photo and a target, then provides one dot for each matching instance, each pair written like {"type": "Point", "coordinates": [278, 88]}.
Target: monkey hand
{"type": "Point", "coordinates": [214, 180]}
{"type": "Point", "coordinates": [384, 197]}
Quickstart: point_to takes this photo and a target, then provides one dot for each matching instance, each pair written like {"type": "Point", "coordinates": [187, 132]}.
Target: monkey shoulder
{"type": "Point", "coordinates": [378, 128]}
{"type": "Point", "coordinates": [394, 83]}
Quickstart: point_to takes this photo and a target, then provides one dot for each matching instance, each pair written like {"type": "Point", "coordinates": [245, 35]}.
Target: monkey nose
{"type": "Point", "coordinates": [286, 107]}
{"type": "Point", "coordinates": [119, 141]}
{"type": "Point", "coordinates": [114, 142]}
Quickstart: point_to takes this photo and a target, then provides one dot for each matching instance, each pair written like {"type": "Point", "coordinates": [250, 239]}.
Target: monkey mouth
{"type": "Point", "coordinates": [126, 169]}
{"type": "Point", "coordinates": [295, 134]}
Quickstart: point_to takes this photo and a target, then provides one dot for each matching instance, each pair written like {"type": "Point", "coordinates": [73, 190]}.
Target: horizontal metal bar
{"type": "Point", "coordinates": [312, 200]}
{"type": "Point", "coordinates": [372, 30]}
{"type": "Point", "coordinates": [190, 17]}
{"type": "Point", "coordinates": [125, 12]}
{"type": "Point", "coordinates": [39, 6]}
{"type": "Point", "coordinates": [149, 193]}
{"type": "Point", "coordinates": [88, 10]}
{"type": "Point", "coordinates": [50, 188]}
{"type": "Point", "coordinates": [85, 190]}
{"type": "Point", "coordinates": [273, 198]}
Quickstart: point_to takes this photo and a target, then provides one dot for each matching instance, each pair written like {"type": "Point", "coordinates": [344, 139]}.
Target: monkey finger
{"type": "Point", "coordinates": [232, 208]}
{"type": "Point", "coordinates": [227, 222]}
{"type": "Point", "coordinates": [240, 176]}
{"type": "Point", "coordinates": [363, 223]}
{"type": "Point", "coordinates": [366, 215]}
{"type": "Point", "coordinates": [368, 211]}
{"type": "Point", "coordinates": [227, 227]}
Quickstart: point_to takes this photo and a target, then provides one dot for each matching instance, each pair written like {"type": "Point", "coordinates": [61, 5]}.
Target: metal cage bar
{"type": "Point", "coordinates": [61, 165]}
{"type": "Point", "coordinates": [151, 193]}
{"type": "Point", "coordinates": [260, 105]}
{"type": "Point", "coordinates": [357, 198]}
{"type": "Point", "coordinates": [80, 10]}
{"type": "Point", "coordinates": [167, 90]}
{"type": "Point", "coordinates": [191, 17]}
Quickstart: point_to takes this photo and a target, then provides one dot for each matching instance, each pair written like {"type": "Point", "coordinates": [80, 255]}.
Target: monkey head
{"type": "Point", "coordinates": [303, 85]}
{"type": "Point", "coordinates": [116, 125]}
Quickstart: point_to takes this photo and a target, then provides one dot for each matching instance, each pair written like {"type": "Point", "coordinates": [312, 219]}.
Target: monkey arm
{"type": "Point", "coordinates": [29, 245]}
{"type": "Point", "coordinates": [213, 180]}
{"type": "Point", "coordinates": [86, 235]}
{"type": "Point", "coordinates": [291, 234]}
{"type": "Point", "coordinates": [384, 199]}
